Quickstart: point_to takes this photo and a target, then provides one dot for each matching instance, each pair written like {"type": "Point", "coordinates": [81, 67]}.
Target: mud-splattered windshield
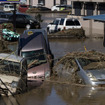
{"type": "Point", "coordinates": [34, 57]}
{"type": "Point", "coordinates": [90, 64]}
{"type": "Point", "coordinates": [9, 67]}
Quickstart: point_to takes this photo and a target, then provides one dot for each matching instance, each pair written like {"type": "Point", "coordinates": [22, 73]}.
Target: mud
{"type": "Point", "coordinates": [4, 47]}
{"type": "Point", "coordinates": [65, 70]}
{"type": "Point", "coordinates": [70, 33]}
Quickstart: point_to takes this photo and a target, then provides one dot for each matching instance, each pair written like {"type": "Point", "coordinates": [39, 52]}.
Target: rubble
{"type": "Point", "coordinates": [65, 70]}
{"type": "Point", "coordinates": [4, 47]}
{"type": "Point", "coordinates": [69, 33]}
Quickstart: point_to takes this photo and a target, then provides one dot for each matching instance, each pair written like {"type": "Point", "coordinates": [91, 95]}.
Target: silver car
{"type": "Point", "coordinates": [91, 72]}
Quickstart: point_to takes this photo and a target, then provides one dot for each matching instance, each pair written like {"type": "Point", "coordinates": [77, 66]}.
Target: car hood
{"type": "Point", "coordinates": [38, 71]}
{"type": "Point", "coordinates": [98, 74]}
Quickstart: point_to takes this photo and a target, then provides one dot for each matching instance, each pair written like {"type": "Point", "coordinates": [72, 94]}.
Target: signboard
{"type": "Point", "coordinates": [13, 1]}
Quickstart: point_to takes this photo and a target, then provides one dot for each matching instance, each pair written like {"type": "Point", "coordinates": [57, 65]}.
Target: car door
{"type": "Point", "coordinates": [20, 21]}
{"type": "Point", "coordinates": [61, 24]}
{"type": "Point", "coordinates": [54, 25]}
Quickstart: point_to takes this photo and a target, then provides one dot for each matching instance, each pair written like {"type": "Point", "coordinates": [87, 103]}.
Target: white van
{"type": "Point", "coordinates": [63, 23]}
{"type": "Point", "coordinates": [8, 7]}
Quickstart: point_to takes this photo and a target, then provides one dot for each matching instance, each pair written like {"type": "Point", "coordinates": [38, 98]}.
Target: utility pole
{"type": "Point", "coordinates": [14, 18]}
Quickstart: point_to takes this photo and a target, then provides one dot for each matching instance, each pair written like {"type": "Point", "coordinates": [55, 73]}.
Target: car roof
{"type": "Point", "coordinates": [10, 57]}
{"type": "Point", "coordinates": [32, 40]}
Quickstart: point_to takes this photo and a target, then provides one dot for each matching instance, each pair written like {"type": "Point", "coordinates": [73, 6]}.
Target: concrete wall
{"type": "Point", "coordinates": [92, 29]}
{"type": "Point", "coordinates": [49, 4]}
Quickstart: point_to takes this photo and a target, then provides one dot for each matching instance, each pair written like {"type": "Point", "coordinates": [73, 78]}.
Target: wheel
{"type": "Point", "coordinates": [28, 26]}
{"type": "Point", "coordinates": [48, 31]}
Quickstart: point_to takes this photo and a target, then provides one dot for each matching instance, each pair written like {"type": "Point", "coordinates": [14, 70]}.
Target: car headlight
{"type": "Point", "coordinates": [14, 84]}
{"type": "Point", "coordinates": [92, 78]}
{"type": "Point", "coordinates": [47, 74]}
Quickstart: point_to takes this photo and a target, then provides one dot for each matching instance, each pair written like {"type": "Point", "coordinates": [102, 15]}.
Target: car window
{"type": "Point", "coordinates": [56, 22]}
{"type": "Point", "coordinates": [62, 21]}
{"type": "Point", "coordinates": [29, 17]}
{"type": "Point", "coordinates": [69, 22]}
{"type": "Point", "coordinates": [20, 18]}
{"type": "Point", "coordinates": [77, 22]}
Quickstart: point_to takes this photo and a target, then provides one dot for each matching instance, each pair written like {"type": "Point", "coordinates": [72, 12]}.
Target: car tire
{"type": "Point", "coordinates": [48, 31]}
{"type": "Point", "coordinates": [28, 26]}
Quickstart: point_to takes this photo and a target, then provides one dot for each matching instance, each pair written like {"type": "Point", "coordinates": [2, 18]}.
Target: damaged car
{"type": "Point", "coordinates": [85, 68]}
{"type": "Point", "coordinates": [91, 72]}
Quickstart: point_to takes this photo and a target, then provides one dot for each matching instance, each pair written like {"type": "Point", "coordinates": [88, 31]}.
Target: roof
{"type": "Point", "coordinates": [100, 18]}
{"type": "Point", "coordinates": [31, 40]}
{"type": "Point", "coordinates": [10, 57]}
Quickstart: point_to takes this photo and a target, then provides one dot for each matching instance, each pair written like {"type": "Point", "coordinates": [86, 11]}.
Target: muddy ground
{"type": "Point", "coordinates": [70, 33]}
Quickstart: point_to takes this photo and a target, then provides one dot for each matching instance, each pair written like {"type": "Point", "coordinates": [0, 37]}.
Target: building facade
{"type": "Point", "coordinates": [48, 3]}
{"type": "Point", "coordinates": [87, 8]}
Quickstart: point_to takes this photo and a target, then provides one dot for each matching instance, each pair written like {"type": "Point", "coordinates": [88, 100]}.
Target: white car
{"type": "Point", "coordinates": [63, 23]}
{"type": "Point", "coordinates": [60, 7]}
{"type": "Point", "coordinates": [8, 7]}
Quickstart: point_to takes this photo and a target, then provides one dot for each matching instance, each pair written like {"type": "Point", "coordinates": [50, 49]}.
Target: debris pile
{"type": "Point", "coordinates": [7, 26]}
{"type": "Point", "coordinates": [70, 33]}
{"type": "Point", "coordinates": [3, 47]}
{"type": "Point", "coordinates": [65, 70]}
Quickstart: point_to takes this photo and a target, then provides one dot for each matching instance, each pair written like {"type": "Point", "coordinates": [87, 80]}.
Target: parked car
{"type": "Point", "coordinates": [63, 23]}
{"type": "Point", "coordinates": [91, 72]}
{"type": "Point", "coordinates": [10, 35]}
{"type": "Point", "coordinates": [23, 20]}
{"type": "Point", "coordinates": [13, 74]}
{"type": "Point", "coordinates": [34, 46]}
{"type": "Point", "coordinates": [23, 8]}
{"type": "Point", "coordinates": [41, 8]}
{"type": "Point", "coordinates": [60, 7]}
{"type": "Point", "coordinates": [8, 7]}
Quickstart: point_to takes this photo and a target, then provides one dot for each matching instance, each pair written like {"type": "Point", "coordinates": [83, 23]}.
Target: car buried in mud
{"type": "Point", "coordinates": [85, 68]}
{"type": "Point", "coordinates": [34, 46]}
{"type": "Point", "coordinates": [91, 72]}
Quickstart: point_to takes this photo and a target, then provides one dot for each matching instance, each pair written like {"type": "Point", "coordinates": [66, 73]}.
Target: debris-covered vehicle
{"type": "Point", "coordinates": [82, 67]}
{"type": "Point", "coordinates": [13, 74]}
{"type": "Point", "coordinates": [34, 46]}
{"type": "Point", "coordinates": [10, 35]}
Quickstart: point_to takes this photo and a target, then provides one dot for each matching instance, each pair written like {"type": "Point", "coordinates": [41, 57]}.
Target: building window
{"type": "Point", "coordinates": [54, 2]}
{"type": "Point", "coordinates": [41, 2]}
{"type": "Point", "coordinates": [63, 1]}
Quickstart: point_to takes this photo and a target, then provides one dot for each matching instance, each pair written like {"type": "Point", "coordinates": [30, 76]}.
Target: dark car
{"type": "Point", "coordinates": [23, 20]}
{"type": "Point", "coordinates": [42, 8]}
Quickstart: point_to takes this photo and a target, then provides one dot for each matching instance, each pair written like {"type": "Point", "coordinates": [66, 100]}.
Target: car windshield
{"type": "Point", "coordinates": [10, 67]}
{"type": "Point", "coordinates": [34, 58]}
{"type": "Point", "coordinates": [28, 17]}
{"type": "Point", "coordinates": [11, 6]}
{"type": "Point", "coordinates": [91, 64]}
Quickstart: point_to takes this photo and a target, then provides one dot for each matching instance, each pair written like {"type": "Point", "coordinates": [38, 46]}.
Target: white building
{"type": "Point", "coordinates": [48, 3]}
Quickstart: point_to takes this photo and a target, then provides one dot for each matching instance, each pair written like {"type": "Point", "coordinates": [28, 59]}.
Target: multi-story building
{"type": "Point", "coordinates": [87, 8]}
{"type": "Point", "coordinates": [48, 3]}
